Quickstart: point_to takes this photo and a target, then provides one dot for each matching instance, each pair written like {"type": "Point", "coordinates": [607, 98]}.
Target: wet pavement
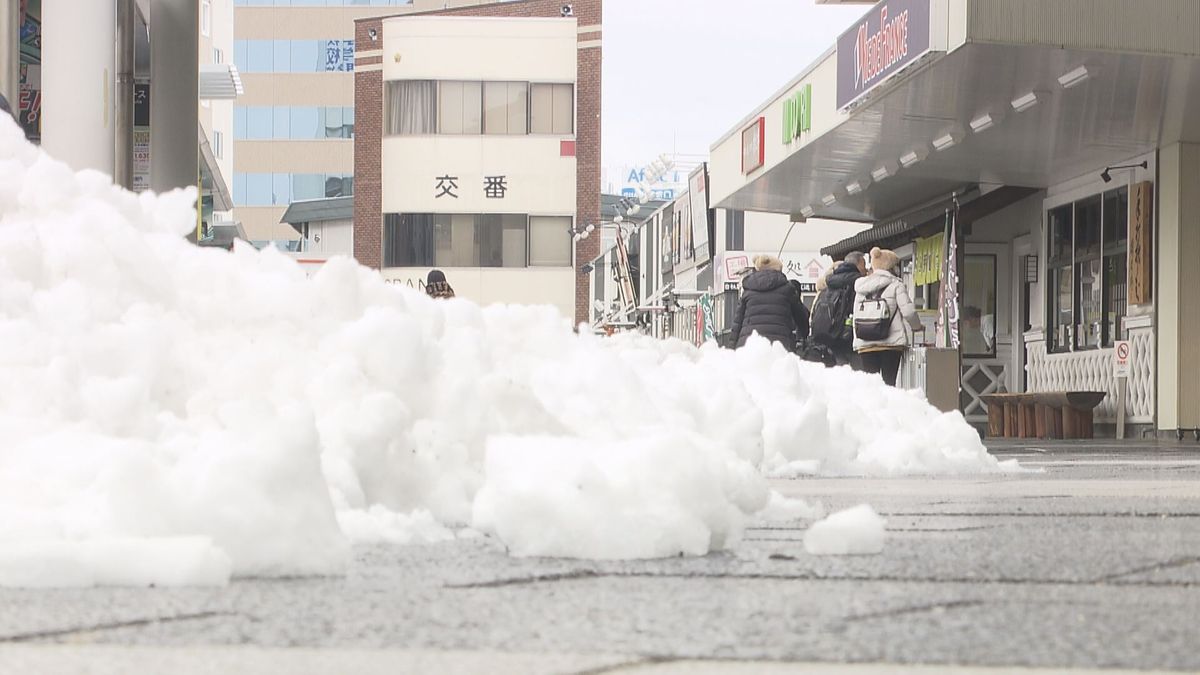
{"type": "Point", "coordinates": [1092, 562]}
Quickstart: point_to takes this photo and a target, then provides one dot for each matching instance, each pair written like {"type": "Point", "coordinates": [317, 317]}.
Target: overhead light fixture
{"type": "Point", "coordinates": [913, 156]}
{"type": "Point", "coordinates": [948, 141]}
{"type": "Point", "coordinates": [881, 173]}
{"type": "Point", "coordinates": [1107, 177]}
{"type": "Point", "coordinates": [857, 185]}
{"type": "Point", "coordinates": [982, 123]}
{"type": "Point", "coordinates": [807, 212]}
{"type": "Point", "coordinates": [829, 199]}
{"type": "Point", "coordinates": [1074, 77]}
{"type": "Point", "coordinates": [1025, 102]}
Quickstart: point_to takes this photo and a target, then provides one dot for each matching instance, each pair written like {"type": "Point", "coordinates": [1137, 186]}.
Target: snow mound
{"type": "Point", "coordinates": [152, 390]}
{"type": "Point", "coordinates": [854, 531]}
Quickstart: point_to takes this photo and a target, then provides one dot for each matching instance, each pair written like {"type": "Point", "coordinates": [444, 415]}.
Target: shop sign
{"type": "Point", "coordinates": [141, 137]}
{"type": "Point", "coordinates": [927, 261]}
{"type": "Point", "coordinates": [339, 56]}
{"type": "Point", "coordinates": [1141, 238]}
{"type": "Point", "coordinates": [797, 114]}
{"type": "Point", "coordinates": [892, 35]}
{"type": "Point", "coordinates": [753, 148]}
{"type": "Point", "coordinates": [494, 187]}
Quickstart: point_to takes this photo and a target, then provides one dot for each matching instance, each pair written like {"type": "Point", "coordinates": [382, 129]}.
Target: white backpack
{"type": "Point", "coordinates": [873, 317]}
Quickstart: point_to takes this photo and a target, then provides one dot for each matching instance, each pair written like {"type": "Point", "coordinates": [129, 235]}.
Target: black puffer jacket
{"type": "Point", "coordinates": [770, 308]}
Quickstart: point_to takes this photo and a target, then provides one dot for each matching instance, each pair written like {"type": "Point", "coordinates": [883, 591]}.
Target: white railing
{"type": "Point", "coordinates": [1093, 371]}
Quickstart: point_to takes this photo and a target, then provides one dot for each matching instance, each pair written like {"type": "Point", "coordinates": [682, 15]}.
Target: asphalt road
{"type": "Point", "coordinates": [1093, 563]}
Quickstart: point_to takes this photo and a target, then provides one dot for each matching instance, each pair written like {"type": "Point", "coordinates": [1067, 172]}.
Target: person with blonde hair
{"type": "Point", "coordinates": [885, 316]}
{"type": "Point", "coordinates": [769, 307]}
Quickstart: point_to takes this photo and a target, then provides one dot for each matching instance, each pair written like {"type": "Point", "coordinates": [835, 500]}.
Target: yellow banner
{"type": "Point", "coordinates": [927, 267]}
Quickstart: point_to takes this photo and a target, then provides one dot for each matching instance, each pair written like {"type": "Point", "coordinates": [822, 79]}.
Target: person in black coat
{"type": "Point", "coordinates": [768, 306]}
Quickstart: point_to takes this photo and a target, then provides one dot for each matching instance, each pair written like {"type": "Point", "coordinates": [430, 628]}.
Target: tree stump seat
{"type": "Point", "coordinates": [1048, 415]}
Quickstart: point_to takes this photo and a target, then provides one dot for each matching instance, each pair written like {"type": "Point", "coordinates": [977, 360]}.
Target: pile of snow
{"type": "Point", "coordinates": [151, 391]}
{"type": "Point", "coordinates": [855, 531]}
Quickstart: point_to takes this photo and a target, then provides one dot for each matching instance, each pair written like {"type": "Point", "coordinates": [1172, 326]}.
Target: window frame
{"type": "Point", "coordinates": [1111, 327]}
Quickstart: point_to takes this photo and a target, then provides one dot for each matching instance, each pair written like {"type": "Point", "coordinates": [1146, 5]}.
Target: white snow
{"type": "Point", "coordinates": [152, 390]}
{"type": "Point", "coordinates": [854, 531]}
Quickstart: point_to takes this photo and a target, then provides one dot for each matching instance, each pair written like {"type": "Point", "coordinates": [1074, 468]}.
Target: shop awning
{"type": "Point", "coordinates": [1000, 112]}
{"type": "Point", "coordinates": [318, 211]}
{"type": "Point", "coordinates": [211, 179]}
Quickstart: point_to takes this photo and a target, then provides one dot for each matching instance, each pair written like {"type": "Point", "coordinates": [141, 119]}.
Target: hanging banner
{"type": "Point", "coordinates": [950, 287]}
{"type": "Point", "coordinates": [707, 330]}
{"type": "Point", "coordinates": [927, 263]}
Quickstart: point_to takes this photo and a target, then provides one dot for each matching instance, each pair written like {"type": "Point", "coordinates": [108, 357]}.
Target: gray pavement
{"type": "Point", "coordinates": [1094, 563]}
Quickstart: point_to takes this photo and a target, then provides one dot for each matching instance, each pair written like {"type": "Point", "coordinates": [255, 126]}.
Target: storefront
{"type": "Point", "coordinates": [1049, 152]}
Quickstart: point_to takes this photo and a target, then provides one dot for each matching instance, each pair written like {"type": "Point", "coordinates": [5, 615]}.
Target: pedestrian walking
{"type": "Point", "coordinates": [885, 317]}
{"type": "Point", "coordinates": [832, 313]}
{"type": "Point", "coordinates": [768, 306]}
{"type": "Point", "coordinates": [436, 285]}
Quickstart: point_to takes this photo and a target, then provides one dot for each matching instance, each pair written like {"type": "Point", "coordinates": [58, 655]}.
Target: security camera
{"type": "Point", "coordinates": [568, 10]}
{"type": "Point", "coordinates": [373, 34]}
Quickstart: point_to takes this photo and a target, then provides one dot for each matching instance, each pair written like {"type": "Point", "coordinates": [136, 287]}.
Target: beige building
{"type": "Point", "coordinates": [294, 127]}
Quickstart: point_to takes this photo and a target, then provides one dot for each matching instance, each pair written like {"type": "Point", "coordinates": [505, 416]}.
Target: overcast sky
{"type": "Point", "coordinates": [680, 73]}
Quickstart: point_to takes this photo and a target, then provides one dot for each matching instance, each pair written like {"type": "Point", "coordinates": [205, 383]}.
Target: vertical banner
{"type": "Point", "coordinates": [141, 137]}
{"type": "Point", "coordinates": [707, 330]}
{"type": "Point", "coordinates": [1141, 241]}
{"type": "Point", "coordinates": [950, 285]}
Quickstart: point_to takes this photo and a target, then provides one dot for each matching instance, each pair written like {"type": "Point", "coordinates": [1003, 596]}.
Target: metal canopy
{"type": "Point", "coordinates": [220, 81]}
{"type": "Point", "coordinates": [1130, 104]}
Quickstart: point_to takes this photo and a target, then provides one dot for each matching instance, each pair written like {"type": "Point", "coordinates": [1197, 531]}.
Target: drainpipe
{"type": "Point", "coordinates": [123, 156]}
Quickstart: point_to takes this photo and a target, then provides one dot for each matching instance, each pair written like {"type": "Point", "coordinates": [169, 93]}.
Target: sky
{"type": "Point", "coordinates": [678, 74]}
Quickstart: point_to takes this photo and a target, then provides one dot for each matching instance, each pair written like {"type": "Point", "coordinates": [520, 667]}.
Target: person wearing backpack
{"type": "Point", "coordinates": [768, 306]}
{"type": "Point", "coordinates": [884, 317]}
{"type": "Point", "coordinates": [832, 311]}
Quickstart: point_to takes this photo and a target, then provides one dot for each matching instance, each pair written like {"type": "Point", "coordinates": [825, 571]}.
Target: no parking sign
{"type": "Point", "coordinates": [1122, 355]}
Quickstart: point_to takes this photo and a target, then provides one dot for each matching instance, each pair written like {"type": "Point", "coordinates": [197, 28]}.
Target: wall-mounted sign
{"type": "Point", "coordinates": [891, 36]}
{"type": "Point", "coordinates": [1141, 239]}
{"type": "Point", "coordinates": [797, 114]}
{"type": "Point", "coordinates": [141, 137]}
{"type": "Point", "coordinates": [753, 147]}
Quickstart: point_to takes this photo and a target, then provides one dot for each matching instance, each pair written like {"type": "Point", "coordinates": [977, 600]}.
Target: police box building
{"type": "Point", "coordinates": [1037, 166]}
{"type": "Point", "coordinates": [477, 149]}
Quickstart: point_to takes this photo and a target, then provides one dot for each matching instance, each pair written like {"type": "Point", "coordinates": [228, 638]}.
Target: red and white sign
{"type": "Point", "coordinates": [1122, 356]}
{"type": "Point", "coordinates": [754, 145]}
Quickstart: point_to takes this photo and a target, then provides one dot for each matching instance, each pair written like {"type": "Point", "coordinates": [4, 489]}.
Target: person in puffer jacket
{"type": "Point", "coordinates": [883, 356]}
{"type": "Point", "coordinates": [436, 285]}
{"type": "Point", "coordinates": [768, 306]}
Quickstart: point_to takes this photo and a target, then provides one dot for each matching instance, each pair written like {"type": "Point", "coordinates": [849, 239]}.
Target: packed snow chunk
{"type": "Point", "coordinates": [781, 509]}
{"type": "Point", "coordinates": [379, 525]}
{"type": "Point", "coordinates": [854, 531]}
{"type": "Point", "coordinates": [123, 561]}
{"type": "Point", "coordinates": [652, 497]}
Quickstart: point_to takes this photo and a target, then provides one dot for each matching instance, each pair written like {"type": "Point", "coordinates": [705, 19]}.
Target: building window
{"type": "Point", "coordinates": [460, 107]}
{"type": "Point", "coordinates": [1087, 271]}
{"type": "Point", "coordinates": [552, 109]}
{"type": "Point", "coordinates": [475, 240]}
{"type": "Point", "coordinates": [294, 56]}
{"type": "Point", "coordinates": [550, 241]}
{"type": "Point", "coordinates": [218, 145]}
{"type": "Point", "coordinates": [410, 108]}
{"type": "Point", "coordinates": [735, 230]}
{"type": "Point", "coordinates": [206, 17]}
{"type": "Point", "coordinates": [281, 189]}
{"type": "Point", "coordinates": [505, 108]}
{"type": "Point", "coordinates": [979, 306]}
{"type": "Point", "coordinates": [296, 123]}
{"type": "Point", "coordinates": [218, 56]}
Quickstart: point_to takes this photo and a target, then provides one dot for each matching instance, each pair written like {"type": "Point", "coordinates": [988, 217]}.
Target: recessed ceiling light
{"type": "Point", "coordinates": [829, 200]}
{"type": "Point", "coordinates": [1025, 102]}
{"type": "Point", "coordinates": [1074, 77]}
{"type": "Point", "coordinates": [807, 212]}
{"type": "Point", "coordinates": [880, 173]}
{"type": "Point", "coordinates": [913, 156]}
{"type": "Point", "coordinates": [856, 186]}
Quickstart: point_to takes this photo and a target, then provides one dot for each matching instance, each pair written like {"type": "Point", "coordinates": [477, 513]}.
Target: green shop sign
{"type": "Point", "coordinates": [797, 114]}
